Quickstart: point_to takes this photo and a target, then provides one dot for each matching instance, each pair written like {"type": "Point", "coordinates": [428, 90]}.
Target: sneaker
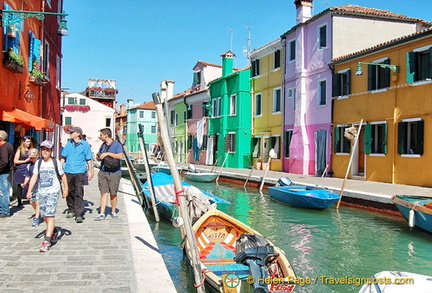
{"type": "Point", "coordinates": [79, 219]}
{"type": "Point", "coordinates": [70, 214]}
{"type": "Point", "coordinates": [114, 215]}
{"type": "Point", "coordinates": [36, 222]}
{"type": "Point", "coordinates": [45, 246]}
{"type": "Point", "coordinates": [54, 236]}
{"type": "Point", "coordinates": [100, 217]}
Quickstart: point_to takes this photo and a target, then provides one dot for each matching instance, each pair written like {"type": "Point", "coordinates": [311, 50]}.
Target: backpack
{"type": "Point", "coordinates": [54, 159]}
{"type": "Point", "coordinates": [109, 164]}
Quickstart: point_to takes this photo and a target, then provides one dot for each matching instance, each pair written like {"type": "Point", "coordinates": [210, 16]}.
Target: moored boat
{"type": "Point", "coordinates": [195, 175]}
{"type": "Point", "coordinates": [309, 197]}
{"type": "Point", "coordinates": [397, 282]}
{"type": "Point", "coordinates": [164, 168]}
{"type": "Point", "coordinates": [235, 256]}
{"type": "Point", "coordinates": [417, 210]}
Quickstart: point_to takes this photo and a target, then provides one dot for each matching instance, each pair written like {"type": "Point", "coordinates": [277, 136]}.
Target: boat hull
{"type": "Point", "coordinates": [422, 214]}
{"type": "Point", "coordinates": [393, 283]}
{"type": "Point", "coordinates": [304, 196]}
{"type": "Point", "coordinates": [200, 176]}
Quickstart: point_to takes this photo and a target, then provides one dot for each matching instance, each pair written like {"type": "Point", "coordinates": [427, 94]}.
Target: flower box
{"type": "Point", "coordinates": [78, 108]}
{"type": "Point", "coordinates": [12, 64]}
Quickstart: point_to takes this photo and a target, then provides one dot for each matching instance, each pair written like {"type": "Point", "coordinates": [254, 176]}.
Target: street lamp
{"type": "Point", "coordinates": [393, 68]}
{"type": "Point", "coordinates": [10, 17]}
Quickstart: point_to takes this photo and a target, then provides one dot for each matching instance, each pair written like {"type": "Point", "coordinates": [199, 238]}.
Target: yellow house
{"type": "Point", "coordinates": [389, 88]}
{"type": "Point", "coordinates": [267, 104]}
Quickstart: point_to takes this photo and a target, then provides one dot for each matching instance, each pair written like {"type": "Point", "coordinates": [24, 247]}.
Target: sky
{"type": "Point", "coordinates": [139, 43]}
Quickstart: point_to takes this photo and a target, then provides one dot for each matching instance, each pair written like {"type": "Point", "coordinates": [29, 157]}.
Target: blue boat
{"type": "Point", "coordinates": [417, 210]}
{"type": "Point", "coordinates": [307, 197]}
{"type": "Point", "coordinates": [165, 195]}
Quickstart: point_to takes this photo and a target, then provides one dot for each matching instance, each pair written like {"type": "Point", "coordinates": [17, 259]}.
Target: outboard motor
{"type": "Point", "coordinates": [255, 252]}
{"type": "Point", "coordinates": [284, 181]}
{"type": "Point", "coordinates": [191, 168]}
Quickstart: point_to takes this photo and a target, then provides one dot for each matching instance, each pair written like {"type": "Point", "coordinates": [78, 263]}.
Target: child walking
{"type": "Point", "coordinates": [45, 174]}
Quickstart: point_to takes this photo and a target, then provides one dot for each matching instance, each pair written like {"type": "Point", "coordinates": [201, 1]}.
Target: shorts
{"type": "Point", "coordinates": [109, 182]}
{"type": "Point", "coordinates": [48, 204]}
{"type": "Point", "coordinates": [34, 197]}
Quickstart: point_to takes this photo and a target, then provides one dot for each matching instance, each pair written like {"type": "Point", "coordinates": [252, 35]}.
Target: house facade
{"type": "Point", "coordinates": [267, 103]}
{"type": "Point", "coordinates": [389, 87]}
{"type": "Point", "coordinates": [178, 125]}
{"type": "Point", "coordinates": [310, 46]}
{"type": "Point", "coordinates": [197, 111]}
{"type": "Point", "coordinates": [230, 123]}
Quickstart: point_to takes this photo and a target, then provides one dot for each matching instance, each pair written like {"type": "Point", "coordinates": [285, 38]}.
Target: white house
{"type": "Point", "coordinates": [90, 115]}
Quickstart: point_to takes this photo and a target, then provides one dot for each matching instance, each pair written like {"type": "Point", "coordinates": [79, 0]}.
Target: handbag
{"type": "Point", "coordinates": [109, 163]}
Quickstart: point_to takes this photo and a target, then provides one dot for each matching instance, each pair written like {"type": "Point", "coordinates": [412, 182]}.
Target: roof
{"type": "Point", "coordinates": [146, 105]}
{"type": "Point", "coordinates": [208, 64]}
{"type": "Point", "coordinates": [384, 45]}
{"type": "Point", "coordinates": [182, 94]}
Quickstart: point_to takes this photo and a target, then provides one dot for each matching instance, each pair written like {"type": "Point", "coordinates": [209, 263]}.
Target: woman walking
{"type": "Point", "coordinates": [21, 161]}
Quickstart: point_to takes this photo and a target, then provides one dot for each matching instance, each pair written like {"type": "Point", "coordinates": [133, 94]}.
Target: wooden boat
{"type": "Point", "coordinates": [195, 175]}
{"type": "Point", "coordinates": [165, 195]}
{"type": "Point", "coordinates": [164, 168]}
{"type": "Point", "coordinates": [308, 197]}
{"type": "Point", "coordinates": [231, 252]}
{"type": "Point", "coordinates": [416, 210]}
{"type": "Point", "coordinates": [398, 282]}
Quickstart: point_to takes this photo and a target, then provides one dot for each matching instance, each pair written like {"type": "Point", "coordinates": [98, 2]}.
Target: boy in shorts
{"type": "Point", "coordinates": [33, 156]}
{"type": "Point", "coordinates": [48, 189]}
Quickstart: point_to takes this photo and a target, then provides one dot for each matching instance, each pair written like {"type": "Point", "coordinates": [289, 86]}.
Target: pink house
{"type": "Point", "coordinates": [310, 45]}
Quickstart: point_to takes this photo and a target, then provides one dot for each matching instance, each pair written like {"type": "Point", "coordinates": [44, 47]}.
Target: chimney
{"type": "Point", "coordinates": [303, 10]}
{"type": "Point", "coordinates": [227, 63]}
{"type": "Point", "coordinates": [129, 103]}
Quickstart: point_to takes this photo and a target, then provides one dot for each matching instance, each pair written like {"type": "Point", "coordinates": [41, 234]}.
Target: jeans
{"type": "Point", "coordinates": [75, 199]}
{"type": "Point", "coordinates": [5, 192]}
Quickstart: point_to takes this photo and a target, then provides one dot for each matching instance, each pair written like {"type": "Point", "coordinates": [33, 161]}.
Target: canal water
{"type": "Point", "coordinates": [325, 246]}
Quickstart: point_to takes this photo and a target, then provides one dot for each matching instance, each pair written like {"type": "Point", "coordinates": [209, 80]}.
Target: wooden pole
{"type": "Point", "coordinates": [349, 163]}
{"type": "Point", "coordinates": [148, 172]}
{"type": "Point", "coordinates": [265, 173]}
{"type": "Point", "coordinates": [223, 164]}
{"type": "Point", "coordinates": [250, 174]}
{"type": "Point", "coordinates": [181, 195]}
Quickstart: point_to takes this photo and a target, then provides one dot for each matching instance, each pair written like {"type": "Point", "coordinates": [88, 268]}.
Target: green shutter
{"type": "Point", "coordinates": [420, 136]}
{"type": "Point", "coordinates": [336, 84]}
{"type": "Point", "coordinates": [430, 63]}
{"type": "Point", "coordinates": [348, 84]}
{"type": "Point", "coordinates": [371, 77]}
{"type": "Point", "coordinates": [401, 138]}
{"type": "Point", "coordinates": [411, 66]}
{"type": "Point", "coordinates": [336, 139]}
{"type": "Point", "coordinates": [386, 82]}
{"type": "Point", "coordinates": [384, 142]}
{"type": "Point", "coordinates": [367, 139]}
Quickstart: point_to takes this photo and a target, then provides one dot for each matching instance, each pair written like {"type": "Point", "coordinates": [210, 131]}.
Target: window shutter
{"type": "Point", "coordinates": [367, 139]}
{"type": "Point", "coordinates": [336, 139]}
{"type": "Point", "coordinates": [384, 142]}
{"type": "Point", "coordinates": [386, 74]}
{"type": "Point", "coordinates": [227, 143]}
{"type": "Point", "coordinates": [336, 84]}
{"type": "Point", "coordinates": [348, 83]}
{"type": "Point", "coordinates": [420, 135]}
{"type": "Point", "coordinates": [430, 63]}
{"type": "Point", "coordinates": [371, 77]}
{"type": "Point", "coordinates": [411, 66]}
{"type": "Point", "coordinates": [401, 138]}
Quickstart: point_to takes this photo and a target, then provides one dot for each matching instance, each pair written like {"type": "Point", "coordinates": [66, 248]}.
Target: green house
{"type": "Point", "coordinates": [144, 114]}
{"type": "Point", "coordinates": [178, 126]}
{"type": "Point", "coordinates": [230, 120]}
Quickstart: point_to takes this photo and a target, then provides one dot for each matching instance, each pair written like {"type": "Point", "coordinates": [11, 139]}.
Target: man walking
{"type": "Point", "coordinates": [6, 163]}
{"type": "Point", "coordinates": [110, 153]}
{"type": "Point", "coordinates": [79, 160]}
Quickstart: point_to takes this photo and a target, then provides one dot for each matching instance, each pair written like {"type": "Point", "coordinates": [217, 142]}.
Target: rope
{"type": "Point", "coordinates": [178, 194]}
{"type": "Point", "coordinates": [203, 271]}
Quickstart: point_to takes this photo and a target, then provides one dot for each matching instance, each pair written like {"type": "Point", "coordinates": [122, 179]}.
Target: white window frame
{"type": "Point", "coordinates": [46, 59]}
{"type": "Point", "coordinates": [290, 53]}
{"type": "Point", "coordinates": [256, 105]}
{"type": "Point", "coordinates": [141, 114]}
{"type": "Point", "coordinates": [233, 105]}
{"type": "Point", "coordinates": [319, 36]}
{"type": "Point", "coordinates": [319, 97]}
{"type": "Point", "coordinates": [275, 102]}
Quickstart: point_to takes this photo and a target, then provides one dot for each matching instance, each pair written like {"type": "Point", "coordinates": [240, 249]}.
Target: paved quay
{"type": "Point", "coordinates": [107, 256]}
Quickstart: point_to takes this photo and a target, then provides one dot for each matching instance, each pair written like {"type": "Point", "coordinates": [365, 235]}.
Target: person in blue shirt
{"type": "Point", "coordinates": [77, 158]}
{"type": "Point", "coordinates": [110, 155]}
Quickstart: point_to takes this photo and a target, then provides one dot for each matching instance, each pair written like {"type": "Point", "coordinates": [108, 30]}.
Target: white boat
{"type": "Point", "coordinates": [164, 168]}
{"type": "Point", "coordinates": [397, 282]}
{"type": "Point", "coordinates": [139, 165]}
{"type": "Point", "coordinates": [195, 175]}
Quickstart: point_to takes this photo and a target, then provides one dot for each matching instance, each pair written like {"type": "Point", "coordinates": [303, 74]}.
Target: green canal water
{"type": "Point", "coordinates": [321, 245]}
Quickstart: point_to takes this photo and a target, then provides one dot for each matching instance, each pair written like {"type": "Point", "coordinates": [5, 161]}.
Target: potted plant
{"type": "Point", "coordinates": [36, 75]}
{"type": "Point", "coordinates": [13, 61]}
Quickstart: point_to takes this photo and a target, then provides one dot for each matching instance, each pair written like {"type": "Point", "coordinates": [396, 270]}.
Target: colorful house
{"type": "Point", "coordinates": [230, 121]}
{"type": "Point", "coordinates": [267, 105]}
{"type": "Point", "coordinates": [144, 114]}
{"type": "Point", "coordinates": [197, 111]}
{"type": "Point", "coordinates": [178, 125]}
{"type": "Point", "coordinates": [391, 93]}
{"type": "Point", "coordinates": [310, 46]}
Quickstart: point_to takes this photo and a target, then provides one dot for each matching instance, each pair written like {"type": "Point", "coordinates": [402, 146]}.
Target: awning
{"type": "Point", "coordinates": [21, 117]}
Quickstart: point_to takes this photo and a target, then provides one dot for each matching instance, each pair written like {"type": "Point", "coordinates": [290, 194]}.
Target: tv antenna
{"type": "Point", "coordinates": [232, 35]}
{"type": "Point", "coordinates": [247, 50]}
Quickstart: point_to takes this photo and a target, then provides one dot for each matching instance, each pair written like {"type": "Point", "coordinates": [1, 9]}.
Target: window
{"type": "Point", "coordinates": [153, 114]}
{"type": "Point", "coordinates": [216, 107]}
{"type": "Point", "coordinates": [233, 105]}
{"type": "Point", "coordinates": [375, 138]}
{"type": "Point", "coordinates": [58, 71]}
{"type": "Point", "coordinates": [287, 141]}
{"type": "Point", "coordinates": [172, 117]}
{"type": "Point", "coordinates": [292, 95]}
{"type": "Point", "coordinates": [378, 77]}
{"type": "Point", "coordinates": [108, 122]}
{"type": "Point", "coordinates": [342, 83]}
{"type": "Point", "coordinates": [45, 65]}
{"type": "Point", "coordinates": [153, 129]}
{"type": "Point", "coordinates": [275, 145]}
{"type": "Point", "coordinates": [197, 78]}
{"type": "Point", "coordinates": [141, 114]}
{"type": "Point", "coordinates": [292, 50]}
{"type": "Point", "coordinates": [255, 70]}
{"type": "Point", "coordinates": [68, 120]}
{"type": "Point", "coordinates": [11, 35]}
{"type": "Point", "coordinates": [72, 101]}
{"type": "Point", "coordinates": [322, 92]}
{"type": "Point", "coordinates": [256, 143]}
{"type": "Point", "coordinates": [419, 64]}
{"type": "Point", "coordinates": [176, 119]}
{"type": "Point", "coordinates": [184, 116]}
{"type": "Point", "coordinates": [205, 109]}
{"type": "Point", "coordinates": [277, 100]}
{"type": "Point", "coordinates": [322, 36]}
{"type": "Point", "coordinates": [277, 57]}
{"type": "Point", "coordinates": [82, 101]}
{"type": "Point", "coordinates": [34, 55]}
{"type": "Point", "coordinates": [341, 143]}
{"type": "Point", "coordinates": [189, 112]}
{"type": "Point", "coordinates": [204, 142]}
{"type": "Point", "coordinates": [410, 136]}
{"type": "Point", "coordinates": [189, 142]}
{"type": "Point", "coordinates": [258, 105]}
{"type": "Point", "coordinates": [230, 142]}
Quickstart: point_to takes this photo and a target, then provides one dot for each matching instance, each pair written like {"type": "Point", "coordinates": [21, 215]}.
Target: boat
{"type": "Point", "coordinates": [195, 175]}
{"type": "Point", "coordinates": [124, 166]}
{"type": "Point", "coordinates": [397, 282]}
{"type": "Point", "coordinates": [308, 197]}
{"type": "Point", "coordinates": [233, 255]}
{"type": "Point", "coordinates": [166, 200]}
{"type": "Point", "coordinates": [164, 168]}
{"type": "Point", "coordinates": [139, 165]}
{"type": "Point", "coordinates": [417, 210]}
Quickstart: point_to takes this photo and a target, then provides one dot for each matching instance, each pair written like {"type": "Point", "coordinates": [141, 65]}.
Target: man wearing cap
{"type": "Point", "coordinates": [78, 159]}
{"type": "Point", "coordinates": [6, 163]}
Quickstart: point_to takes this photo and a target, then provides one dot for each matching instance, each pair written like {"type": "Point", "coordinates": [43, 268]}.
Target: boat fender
{"type": "Point", "coordinates": [177, 222]}
{"type": "Point", "coordinates": [411, 220]}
